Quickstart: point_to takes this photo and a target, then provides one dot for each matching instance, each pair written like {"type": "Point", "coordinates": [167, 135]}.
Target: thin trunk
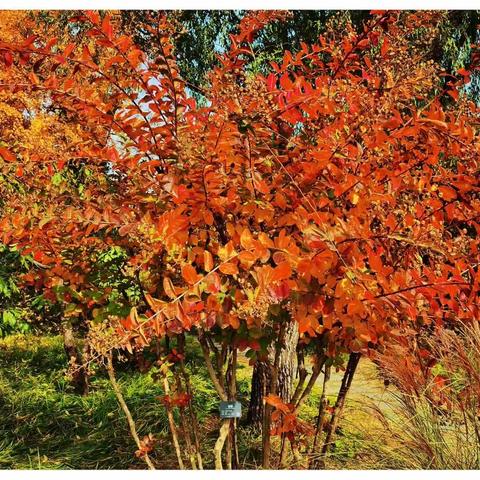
{"type": "Point", "coordinates": [231, 382]}
{"type": "Point", "coordinates": [283, 451]}
{"type": "Point", "coordinates": [126, 410]}
{"type": "Point", "coordinates": [299, 460]}
{"type": "Point", "coordinates": [236, 458]}
{"type": "Point", "coordinates": [267, 417]}
{"type": "Point", "coordinates": [185, 427]}
{"type": "Point", "coordinates": [193, 416]}
{"type": "Point", "coordinates": [217, 450]}
{"type": "Point", "coordinates": [228, 448]}
{"type": "Point", "coordinates": [300, 395]}
{"type": "Point", "coordinates": [322, 408]}
{"type": "Point", "coordinates": [218, 382]}
{"type": "Point", "coordinates": [311, 383]}
{"type": "Point", "coordinates": [188, 440]}
{"type": "Point", "coordinates": [302, 373]}
{"type": "Point", "coordinates": [171, 422]}
{"type": "Point", "coordinates": [340, 403]}
{"type": "Point", "coordinates": [191, 411]}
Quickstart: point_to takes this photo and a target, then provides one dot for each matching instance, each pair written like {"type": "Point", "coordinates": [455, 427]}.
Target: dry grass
{"type": "Point", "coordinates": [431, 420]}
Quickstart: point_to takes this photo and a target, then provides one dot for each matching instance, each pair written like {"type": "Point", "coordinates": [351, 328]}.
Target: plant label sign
{"type": "Point", "coordinates": [230, 409]}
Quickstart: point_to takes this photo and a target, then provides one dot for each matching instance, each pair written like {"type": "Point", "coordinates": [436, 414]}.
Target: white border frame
{"type": "Point", "coordinates": [239, 4]}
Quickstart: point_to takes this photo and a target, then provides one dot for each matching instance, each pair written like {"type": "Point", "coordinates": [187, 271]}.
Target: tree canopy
{"type": "Point", "coordinates": [336, 189]}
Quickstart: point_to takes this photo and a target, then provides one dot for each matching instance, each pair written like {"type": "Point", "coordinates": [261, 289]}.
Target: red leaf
{"type": "Point", "coordinates": [93, 16]}
{"type": "Point", "coordinates": [8, 59]}
{"type": "Point", "coordinates": [385, 46]}
{"type": "Point", "coordinates": [107, 27]}
{"type": "Point", "coordinates": [271, 82]}
{"type": "Point", "coordinates": [7, 155]}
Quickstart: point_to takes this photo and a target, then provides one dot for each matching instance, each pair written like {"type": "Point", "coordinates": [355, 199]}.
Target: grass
{"type": "Point", "coordinates": [46, 426]}
{"type": "Point", "coordinates": [436, 420]}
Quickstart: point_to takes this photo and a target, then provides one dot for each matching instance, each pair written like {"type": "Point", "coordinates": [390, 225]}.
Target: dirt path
{"type": "Point", "coordinates": [366, 385]}
{"type": "Point", "coordinates": [368, 395]}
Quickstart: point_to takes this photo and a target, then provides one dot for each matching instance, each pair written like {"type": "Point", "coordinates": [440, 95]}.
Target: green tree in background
{"type": "Point", "coordinates": [207, 32]}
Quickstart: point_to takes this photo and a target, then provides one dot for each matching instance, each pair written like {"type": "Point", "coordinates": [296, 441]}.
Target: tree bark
{"type": "Point", "coordinates": [261, 377]}
{"type": "Point", "coordinates": [260, 383]}
{"type": "Point", "coordinates": [288, 365]}
{"type": "Point", "coordinates": [79, 379]}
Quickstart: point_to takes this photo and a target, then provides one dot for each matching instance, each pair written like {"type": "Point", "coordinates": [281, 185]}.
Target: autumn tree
{"type": "Point", "coordinates": [337, 194]}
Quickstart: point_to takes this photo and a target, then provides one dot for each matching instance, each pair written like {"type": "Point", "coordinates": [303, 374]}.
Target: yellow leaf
{"type": "Point", "coordinates": [246, 239]}
{"type": "Point", "coordinates": [207, 261]}
{"type": "Point", "coordinates": [168, 287]}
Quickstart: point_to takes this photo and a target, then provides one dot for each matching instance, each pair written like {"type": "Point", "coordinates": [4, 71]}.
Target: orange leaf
{"type": "Point", "coordinates": [437, 123]}
{"type": "Point", "coordinates": [154, 303]}
{"type": "Point", "coordinates": [125, 229]}
{"type": "Point", "coordinates": [7, 154]}
{"type": "Point", "coordinates": [247, 257]}
{"type": "Point", "coordinates": [168, 287]}
{"type": "Point", "coordinates": [265, 241]}
{"type": "Point", "coordinates": [277, 402]}
{"type": "Point", "coordinates": [447, 193]}
{"type": "Point", "coordinates": [229, 268]}
{"type": "Point", "coordinates": [189, 274]}
{"type": "Point", "coordinates": [375, 261]}
{"type": "Point", "coordinates": [273, 400]}
{"type": "Point", "coordinates": [282, 272]}
{"type": "Point", "coordinates": [246, 239]}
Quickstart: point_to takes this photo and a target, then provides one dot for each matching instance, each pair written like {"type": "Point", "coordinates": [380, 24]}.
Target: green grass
{"type": "Point", "coordinates": [45, 425]}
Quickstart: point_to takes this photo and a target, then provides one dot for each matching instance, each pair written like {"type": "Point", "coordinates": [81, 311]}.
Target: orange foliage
{"type": "Point", "coordinates": [338, 185]}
